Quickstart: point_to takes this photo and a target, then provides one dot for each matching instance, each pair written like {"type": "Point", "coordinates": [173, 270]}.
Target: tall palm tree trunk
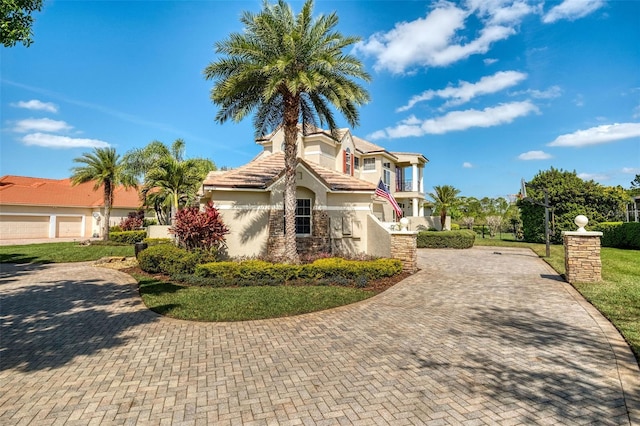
{"type": "Point", "coordinates": [108, 201]}
{"type": "Point", "coordinates": [290, 163]}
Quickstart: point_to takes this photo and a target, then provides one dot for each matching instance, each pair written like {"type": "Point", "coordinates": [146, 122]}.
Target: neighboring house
{"type": "Point", "coordinates": [49, 208]}
{"type": "Point", "coordinates": [337, 209]}
{"type": "Point", "coordinates": [633, 209]}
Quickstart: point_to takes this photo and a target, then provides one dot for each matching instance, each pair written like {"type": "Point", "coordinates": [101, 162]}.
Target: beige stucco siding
{"type": "Point", "coordinates": [246, 214]}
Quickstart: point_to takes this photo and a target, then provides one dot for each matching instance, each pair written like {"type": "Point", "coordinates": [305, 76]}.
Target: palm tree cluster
{"type": "Point", "coordinates": [168, 181]}
{"type": "Point", "coordinates": [287, 70]}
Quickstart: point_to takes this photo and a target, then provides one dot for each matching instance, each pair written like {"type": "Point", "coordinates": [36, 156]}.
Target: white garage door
{"type": "Point", "coordinates": [24, 227]}
{"type": "Point", "coordinates": [68, 227]}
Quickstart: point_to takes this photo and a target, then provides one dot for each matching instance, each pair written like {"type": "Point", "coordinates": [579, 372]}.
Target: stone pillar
{"type": "Point", "coordinates": [582, 254]}
{"type": "Point", "coordinates": [404, 248]}
{"type": "Point", "coordinates": [275, 240]}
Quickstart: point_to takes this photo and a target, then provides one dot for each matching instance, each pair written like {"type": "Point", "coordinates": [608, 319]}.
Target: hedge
{"type": "Point", "coordinates": [128, 237]}
{"type": "Point", "coordinates": [331, 270]}
{"type": "Point", "coordinates": [446, 239]}
{"type": "Point", "coordinates": [171, 260]}
{"type": "Point", "coordinates": [624, 235]}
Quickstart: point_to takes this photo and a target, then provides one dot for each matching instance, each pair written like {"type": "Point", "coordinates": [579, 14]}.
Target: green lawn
{"type": "Point", "coordinates": [61, 252]}
{"type": "Point", "coordinates": [617, 297]}
{"type": "Point", "coordinates": [242, 303]}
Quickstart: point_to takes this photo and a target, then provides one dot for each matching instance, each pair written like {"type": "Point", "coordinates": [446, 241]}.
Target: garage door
{"type": "Point", "coordinates": [68, 227]}
{"type": "Point", "coordinates": [24, 227]}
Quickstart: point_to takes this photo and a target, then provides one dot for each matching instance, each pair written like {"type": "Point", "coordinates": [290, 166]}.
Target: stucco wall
{"type": "Point", "coordinates": [246, 214]}
{"type": "Point", "coordinates": [379, 239]}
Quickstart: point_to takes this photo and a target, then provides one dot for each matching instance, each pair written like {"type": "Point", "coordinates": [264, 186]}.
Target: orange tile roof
{"type": "Point", "coordinates": [22, 190]}
{"type": "Point", "coordinates": [264, 170]}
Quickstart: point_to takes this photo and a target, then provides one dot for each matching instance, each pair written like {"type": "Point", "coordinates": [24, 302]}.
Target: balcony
{"type": "Point", "coordinates": [406, 186]}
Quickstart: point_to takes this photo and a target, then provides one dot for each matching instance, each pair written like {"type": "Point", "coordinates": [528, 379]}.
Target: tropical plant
{"type": "Point", "coordinates": [102, 166]}
{"type": "Point", "coordinates": [287, 69]}
{"type": "Point", "coordinates": [169, 180]}
{"type": "Point", "coordinates": [444, 197]}
{"type": "Point", "coordinates": [203, 230]}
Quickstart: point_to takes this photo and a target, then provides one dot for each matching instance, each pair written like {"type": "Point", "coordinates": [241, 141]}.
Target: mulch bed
{"type": "Point", "coordinates": [377, 286]}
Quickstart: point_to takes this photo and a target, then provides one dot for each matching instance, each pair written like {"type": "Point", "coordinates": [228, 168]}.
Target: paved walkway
{"type": "Point", "coordinates": [476, 337]}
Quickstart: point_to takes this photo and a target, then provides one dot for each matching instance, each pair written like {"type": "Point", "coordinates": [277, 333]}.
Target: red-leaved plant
{"type": "Point", "coordinates": [199, 230]}
{"type": "Point", "coordinates": [133, 221]}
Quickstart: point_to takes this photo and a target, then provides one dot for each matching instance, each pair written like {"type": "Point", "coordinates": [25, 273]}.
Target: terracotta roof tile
{"type": "Point", "coordinates": [22, 190]}
{"type": "Point", "coordinates": [263, 171]}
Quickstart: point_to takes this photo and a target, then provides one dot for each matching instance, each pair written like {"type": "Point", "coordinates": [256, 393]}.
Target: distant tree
{"type": "Point", "coordinates": [287, 69]}
{"type": "Point", "coordinates": [467, 222]}
{"type": "Point", "coordinates": [635, 186]}
{"type": "Point", "coordinates": [569, 196]}
{"type": "Point", "coordinates": [494, 223]}
{"type": "Point", "coordinates": [444, 197]}
{"type": "Point", "coordinates": [102, 166]}
{"type": "Point", "coordinates": [16, 23]}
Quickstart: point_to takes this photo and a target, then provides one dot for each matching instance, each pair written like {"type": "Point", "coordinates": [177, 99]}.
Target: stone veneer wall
{"type": "Point", "coordinates": [404, 247]}
{"type": "Point", "coordinates": [582, 257]}
{"type": "Point", "coordinates": [275, 240]}
{"type": "Point", "coordinates": [318, 242]}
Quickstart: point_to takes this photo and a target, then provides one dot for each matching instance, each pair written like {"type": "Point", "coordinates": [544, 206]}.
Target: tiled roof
{"type": "Point", "coordinates": [22, 190]}
{"type": "Point", "coordinates": [263, 171]}
{"type": "Point", "coordinates": [367, 147]}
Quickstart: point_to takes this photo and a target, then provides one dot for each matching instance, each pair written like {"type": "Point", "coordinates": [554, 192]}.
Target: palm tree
{"type": "Point", "coordinates": [102, 166]}
{"type": "Point", "coordinates": [287, 69]}
{"type": "Point", "coordinates": [444, 197]}
{"type": "Point", "coordinates": [169, 181]}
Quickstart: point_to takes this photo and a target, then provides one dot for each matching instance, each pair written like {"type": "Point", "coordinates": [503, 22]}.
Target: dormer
{"type": "Point", "coordinates": [346, 158]}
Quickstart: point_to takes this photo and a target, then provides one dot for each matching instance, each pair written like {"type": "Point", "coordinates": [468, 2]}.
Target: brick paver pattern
{"type": "Point", "coordinates": [475, 337]}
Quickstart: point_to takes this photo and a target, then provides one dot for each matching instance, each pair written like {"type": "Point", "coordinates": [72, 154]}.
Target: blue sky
{"type": "Point", "coordinates": [490, 91]}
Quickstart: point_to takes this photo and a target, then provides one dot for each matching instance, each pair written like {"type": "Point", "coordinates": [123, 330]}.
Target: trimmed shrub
{"type": "Point", "coordinates": [446, 239]}
{"type": "Point", "coordinates": [171, 260]}
{"type": "Point", "coordinates": [619, 235]}
{"type": "Point", "coordinates": [455, 227]}
{"type": "Point", "coordinates": [155, 241]}
{"type": "Point", "coordinates": [128, 237]}
{"type": "Point", "coordinates": [260, 272]}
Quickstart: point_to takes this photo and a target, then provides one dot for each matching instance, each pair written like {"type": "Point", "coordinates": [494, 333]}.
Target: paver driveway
{"type": "Point", "coordinates": [476, 337]}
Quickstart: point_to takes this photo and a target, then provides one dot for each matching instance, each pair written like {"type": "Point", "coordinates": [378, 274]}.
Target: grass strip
{"type": "Point", "coordinates": [61, 252]}
{"type": "Point", "coordinates": [242, 303]}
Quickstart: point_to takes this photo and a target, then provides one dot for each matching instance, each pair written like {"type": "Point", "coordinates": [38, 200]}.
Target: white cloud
{"type": "Point", "coordinates": [57, 141]}
{"type": "Point", "coordinates": [501, 11]}
{"type": "Point", "coordinates": [550, 93]}
{"type": "Point", "coordinates": [466, 91]}
{"type": "Point", "coordinates": [467, 165]}
{"type": "Point", "coordinates": [489, 61]}
{"type": "Point", "coordinates": [572, 10]}
{"type": "Point", "coordinates": [598, 135]}
{"type": "Point", "coordinates": [636, 112]}
{"type": "Point", "coordinates": [435, 40]}
{"type": "Point", "coordinates": [631, 170]}
{"type": "Point", "coordinates": [534, 155]}
{"type": "Point", "coordinates": [378, 134]}
{"type": "Point", "coordinates": [459, 120]}
{"type": "Point", "coordinates": [579, 100]}
{"type": "Point", "coordinates": [593, 176]}
{"type": "Point", "coordinates": [37, 105]}
{"type": "Point", "coordinates": [41, 125]}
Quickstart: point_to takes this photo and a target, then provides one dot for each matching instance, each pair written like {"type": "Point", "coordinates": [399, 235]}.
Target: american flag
{"type": "Point", "coordinates": [381, 191]}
